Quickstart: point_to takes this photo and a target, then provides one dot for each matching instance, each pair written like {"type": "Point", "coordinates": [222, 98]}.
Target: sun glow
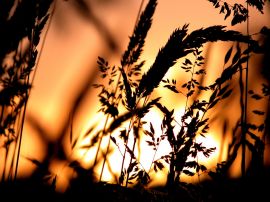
{"type": "Point", "coordinates": [68, 64]}
{"type": "Point", "coordinates": [143, 152]}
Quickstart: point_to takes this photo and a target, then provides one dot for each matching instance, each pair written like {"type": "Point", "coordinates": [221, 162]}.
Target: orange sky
{"type": "Point", "coordinates": [73, 44]}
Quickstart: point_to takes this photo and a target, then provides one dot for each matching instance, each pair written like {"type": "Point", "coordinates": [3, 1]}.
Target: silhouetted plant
{"type": "Point", "coordinates": [183, 142]}
{"type": "Point", "coordinates": [249, 138]}
{"type": "Point", "coordinates": [239, 11]}
{"type": "Point", "coordinates": [21, 25]}
{"type": "Point", "coordinates": [127, 96]}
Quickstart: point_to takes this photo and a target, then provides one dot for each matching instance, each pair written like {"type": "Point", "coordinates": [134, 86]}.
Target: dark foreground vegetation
{"type": "Point", "coordinates": [127, 95]}
{"type": "Point", "coordinates": [212, 191]}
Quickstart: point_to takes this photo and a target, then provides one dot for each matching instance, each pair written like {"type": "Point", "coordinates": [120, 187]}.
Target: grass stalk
{"type": "Point", "coordinates": [28, 82]}
{"type": "Point", "coordinates": [242, 122]}
{"type": "Point", "coordinates": [107, 117]}
{"type": "Point", "coordinates": [20, 135]}
{"type": "Point", "coordinates": [245, 106]}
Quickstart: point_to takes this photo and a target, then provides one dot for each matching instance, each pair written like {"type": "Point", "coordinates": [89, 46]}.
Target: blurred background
{"type": "Point", "coordinates": [79, 31]}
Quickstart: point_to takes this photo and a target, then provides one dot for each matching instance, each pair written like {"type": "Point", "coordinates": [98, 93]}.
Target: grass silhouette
{"type": "Point", "coordinates": [126, 96]}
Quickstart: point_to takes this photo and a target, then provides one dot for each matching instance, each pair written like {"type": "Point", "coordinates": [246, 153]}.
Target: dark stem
{"type": "Point", "coordinates": [32, 47]}
{"type": "Point", "coordinates": [243, 163]}
{"type": "Point", "coordinates": [126, 143]}
{"type": "Point", "coordinates": [21, 132]}
{"type": "Point", "coordinates": [105, 158]}
{"type": "Point", "coordinates": [99, 144]}
{"type": "Point", "coordinates": [243, 124]}
{"type": "Point", "coordinates": [18, 117]}
{"type": "Point", "coordinates": [133, 148]}
{"type": "Point", "coordinates": [43, 42]}
{"type": "Point", "coordinates": [137, 19]}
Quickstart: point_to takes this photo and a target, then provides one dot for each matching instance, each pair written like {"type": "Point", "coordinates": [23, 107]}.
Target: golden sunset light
{"type": "Point", "coordinates": [135, 100]}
